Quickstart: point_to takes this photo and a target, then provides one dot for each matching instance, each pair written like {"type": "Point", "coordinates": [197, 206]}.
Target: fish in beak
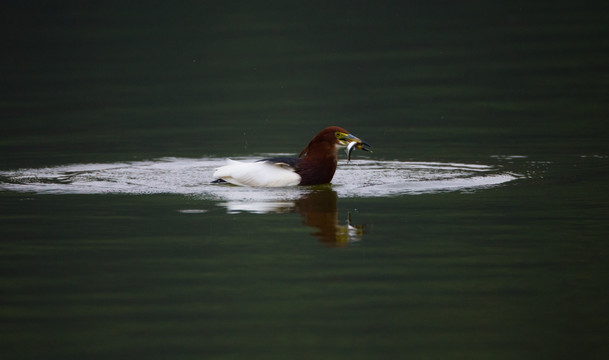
{"type": "Point", "coordinates": [353, 142]}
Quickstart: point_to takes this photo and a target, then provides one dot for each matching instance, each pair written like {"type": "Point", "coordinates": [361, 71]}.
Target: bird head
{"type": "Point", "coordinates": [333, 137]}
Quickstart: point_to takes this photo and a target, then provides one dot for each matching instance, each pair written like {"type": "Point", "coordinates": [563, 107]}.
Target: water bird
{"type": "Point", "coordinates": [314, 165]}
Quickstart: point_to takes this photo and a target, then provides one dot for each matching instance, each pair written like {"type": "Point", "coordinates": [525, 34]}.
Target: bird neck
{"type": "Point", "coordinates": [318, 165]}
{"type": "Point", "coordinates": [322, 152]}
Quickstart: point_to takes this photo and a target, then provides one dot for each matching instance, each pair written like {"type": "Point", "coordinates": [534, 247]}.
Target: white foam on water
{"type": "Point", "coordinates": [188, 176]}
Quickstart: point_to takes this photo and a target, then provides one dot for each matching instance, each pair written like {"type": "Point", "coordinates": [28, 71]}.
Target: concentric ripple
{"type": "Point", "coordinates": [358, 178]}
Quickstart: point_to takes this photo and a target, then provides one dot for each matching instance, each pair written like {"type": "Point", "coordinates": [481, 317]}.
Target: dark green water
{"type": "Point", "coordinates": [517, 270]}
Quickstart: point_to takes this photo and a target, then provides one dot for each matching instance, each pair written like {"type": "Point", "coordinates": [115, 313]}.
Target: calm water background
{"type": "Point", "coordinates": [514, 271]}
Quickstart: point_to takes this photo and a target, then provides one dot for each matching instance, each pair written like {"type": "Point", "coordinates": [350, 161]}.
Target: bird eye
{"type": "Point", "coordinates": [339, 135]}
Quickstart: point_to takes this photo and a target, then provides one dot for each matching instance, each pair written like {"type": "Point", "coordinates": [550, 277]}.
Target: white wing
{"type": "Point", "coordinates": [259, 173]}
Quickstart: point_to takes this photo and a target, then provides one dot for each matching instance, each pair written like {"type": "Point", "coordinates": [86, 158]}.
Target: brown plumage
{"type": "Point", "coordinates": [318, 160]}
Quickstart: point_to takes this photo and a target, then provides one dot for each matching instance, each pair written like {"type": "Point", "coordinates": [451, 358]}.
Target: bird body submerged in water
{"type": "Point", "coordinates": [316, 164]}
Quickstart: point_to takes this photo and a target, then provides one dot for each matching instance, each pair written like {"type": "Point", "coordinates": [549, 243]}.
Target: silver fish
{"type": "Point", "coordinates": [349, 149]}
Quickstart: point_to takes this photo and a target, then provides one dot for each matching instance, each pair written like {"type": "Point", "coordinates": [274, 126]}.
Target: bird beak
{"type": "Point", "coordinates": [348, 138]}
{"type": "Point", "coordinates": [352, 142]}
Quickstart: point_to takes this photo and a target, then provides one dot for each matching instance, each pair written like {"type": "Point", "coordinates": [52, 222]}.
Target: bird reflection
{"type": "Point", "coordinates": [318, 210]}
